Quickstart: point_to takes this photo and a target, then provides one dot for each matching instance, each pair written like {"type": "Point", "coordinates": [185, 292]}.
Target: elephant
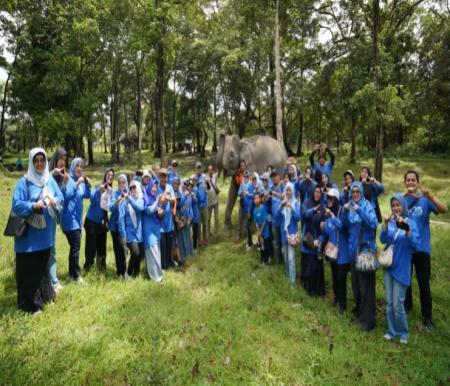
{"type": "Point", "coordinates": [257, 151]}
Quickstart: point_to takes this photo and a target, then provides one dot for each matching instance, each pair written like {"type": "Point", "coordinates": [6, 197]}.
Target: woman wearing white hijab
{"type": "Point", "coordinates": [35, 195]}
{"type": "Point", "coordinates": [290, 216]}
{"type": "Point", "coordinates": [130, 226]}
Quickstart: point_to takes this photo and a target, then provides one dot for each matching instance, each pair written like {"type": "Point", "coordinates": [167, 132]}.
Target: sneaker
{"type": "Point", "coordinates": [427, 325]}
{"type": "Point", "coordinates": [404, 341]}
{"type": "Point", "coordinates": [80, 281]}
{"type": "Point", "coordinates": [37, 313]}
{"type": "Point", "coordinates": [388, 338]}
{"type": "Point", "coordinates": [58, 287]}
{"type": "Point", "coordinates": [248, 248]}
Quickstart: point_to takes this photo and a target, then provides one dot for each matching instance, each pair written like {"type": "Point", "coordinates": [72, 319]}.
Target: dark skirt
{"type": "Point", "coordinates": [363, 286]}
{"type": "Point", "coordinates": [34, 288]}
{"type": "Point", "coordinates": [312, 274]}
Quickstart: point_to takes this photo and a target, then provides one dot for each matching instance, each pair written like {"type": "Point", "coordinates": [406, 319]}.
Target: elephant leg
{"type": "Point", "coordinates": [232, 196]}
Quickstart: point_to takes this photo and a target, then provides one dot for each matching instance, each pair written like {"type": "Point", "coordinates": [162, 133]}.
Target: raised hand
{"type": "Point", "coordinates": [347, 206]}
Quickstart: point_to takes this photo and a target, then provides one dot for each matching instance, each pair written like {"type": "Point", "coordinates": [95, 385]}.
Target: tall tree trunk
{"type": "Point", "coordinates": [2, 119]}
{"type": "Point", "coordinates": [300, 134]}
{"type": "Point", "coordinates": [353, 139]}
{"type": "Point", "coordinates": [127, 137]}
{"type": "Point", "coordinates": [214, 147]}
{"type": "Point", "coordinates": [174, 114]}
{"type": "Point", "coordinates": [90, 144]}
{"type": "Point", "coordinates": [379, 131]}
{"type": "Point", "coordinates": [103, 126]}
{"type": "Point", "coordinates": [272, 98]}
{"type": "Point", "coordinates": [160, 90]}
{"type": "Point", "coordinates": [138, 119]}
{"type": "Point", "coordinates": [279, 109]}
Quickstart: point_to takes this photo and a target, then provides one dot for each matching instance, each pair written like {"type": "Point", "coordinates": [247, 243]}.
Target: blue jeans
{"type": "Point", "coordinates": [395, 309]}
{"type": "Point", "coordinates": [289, 255]}
{"type": "Point", "coordinates": [52, 265]}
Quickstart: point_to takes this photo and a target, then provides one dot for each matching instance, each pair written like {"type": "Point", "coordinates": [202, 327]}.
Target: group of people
{"type": "Point", "coordinates": [292, 211]}
{"type": "Point", "coordinates": [154, 215]}
{"type": "Point", "coordinates": [161, 218]}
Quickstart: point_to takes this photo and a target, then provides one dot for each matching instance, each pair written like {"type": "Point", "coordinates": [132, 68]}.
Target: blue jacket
{"type": "Point", "coordinates": [361, 224]}
{"type": "Point", "coordinates": [127, 230]}
{"type": "Point", "coordinates": [72, 213]}
{"type": "Point", "coordinates": [403, 249]}
{"type": "Point", "coordinates": [185, 205]}
{"type": "Point", "coordinates": [151, 225]}
{"type": "Point", "coordinates": [114, 209]}
{"type": "Point", "coordinates": [275, 203]}
{"type": "Point", "coordinates": [167, 224]}
{"type": "Point", "coordinates": [420, 210]}
{"type": "Point", "coordinates": [305, 189]}
{"type": "Point", "coordinates": [335, 232]}
{"type": "Point", "coordinates": [260, 216]}
{"type": "Point", "coordinates": [293, 225]}
{"type": "Point", "coordinates": [244, 194]}
{"type": "Point", "coordinates": [195, 213]}
{"type": "Point", "coordinates": [307, 215]}
{"type": "Point", "coordinates": [95, 211]}
{"type": "Point", "coordinates": [24, 196]}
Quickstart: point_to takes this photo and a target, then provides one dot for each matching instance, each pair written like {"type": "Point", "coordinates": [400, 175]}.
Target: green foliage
{"type": "Point", "coordinates": [223, 319]}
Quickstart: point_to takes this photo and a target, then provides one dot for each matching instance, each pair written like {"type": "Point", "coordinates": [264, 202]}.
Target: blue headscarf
{"type": "Point", "coordinates": [73, 166]}
{"type": "Point", "coordinates": [353, 216]}
{"type": "Point", "coordinates": [399, 197]}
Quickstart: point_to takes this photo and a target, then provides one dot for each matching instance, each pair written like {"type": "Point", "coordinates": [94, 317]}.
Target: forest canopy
{"type": "Point", "coordinates": [122, 75]}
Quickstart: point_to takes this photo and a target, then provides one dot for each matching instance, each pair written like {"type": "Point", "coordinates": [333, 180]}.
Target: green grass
{"type": "Point", "coordinates": [223, 319]}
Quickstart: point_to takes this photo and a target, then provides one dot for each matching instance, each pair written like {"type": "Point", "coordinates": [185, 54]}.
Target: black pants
{"type": "Point", "coordinates": [312, 276]}
{"type": "Point", "coordinates": [339, 273]}
{"type": "Point", "coordinates": [195, 227]}
{"type": "Point", "coordinates": [363, 285]}
{"type": "Point", "coordinates": [249, 232]}
{"type": "Point", "coordinates": [119, 254]}
{"type": "Point", "coordinates": [95, 247]}
{"type": "Point", "coordinates": [278, 246]}
{"type": "Point", "coordinates": [166, 249]}
{"type": "Point", "coordinates": [74, 240]}
{"type": "Point", "coordinates": [137, 253]}
{"type": "Point", "coordinates": [421, 262]}
{"type": "Point", "coordinates": [266, 249]}
{"type": "Point", "coordinates": [34, 288]}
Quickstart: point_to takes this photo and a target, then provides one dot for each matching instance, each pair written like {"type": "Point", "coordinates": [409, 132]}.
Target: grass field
{"type": "Point", "coordinates": [222, 319]}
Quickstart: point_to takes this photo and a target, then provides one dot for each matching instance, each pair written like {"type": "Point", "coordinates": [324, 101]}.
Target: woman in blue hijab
{"type": "Point", "coordinates": [400, 232]}
{"type": "Point", "coordinates": [359, 217]}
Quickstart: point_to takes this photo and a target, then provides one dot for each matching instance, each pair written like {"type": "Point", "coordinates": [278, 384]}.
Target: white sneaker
{"type": "Point", "coordinates": [388, 338]}
{"type": "Point", "coordinates": [404, 341]}
{"type": "Point", "coordinates": [248, 248]}
{"type": "Point", "coordinates": [80, 281]}
{"type": "Point", "coordinates": [58, 287]}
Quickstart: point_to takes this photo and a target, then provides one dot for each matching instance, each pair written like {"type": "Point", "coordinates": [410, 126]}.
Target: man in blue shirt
{"type": "Point", "coordinates": [421, 202]}
{"type": "Point", "coordinates": [322, 166]}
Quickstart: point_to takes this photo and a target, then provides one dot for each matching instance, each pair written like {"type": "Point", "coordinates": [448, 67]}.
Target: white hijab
{"type": "Point", "coordinates": [287, 212]}
{"type": "Point", "coordinates": [137, 194]}
{"type": "Point", "coordinates": [38, 179]}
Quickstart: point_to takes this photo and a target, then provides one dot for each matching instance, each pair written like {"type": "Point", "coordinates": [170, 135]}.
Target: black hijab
{"type": "Point", "coordinates": [59, 153]}
{"type": "Point", "coordinates": [367, 186]}
{"type": "Point", "coordinates": [313, 223]}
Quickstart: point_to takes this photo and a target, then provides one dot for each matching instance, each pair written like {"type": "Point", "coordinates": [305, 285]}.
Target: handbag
{"type": "Point", "coordinates": [386, 257]}
{"type": "Point", "coordinates": [331, 251]}
{"type": "Point", "coordinates": [308, 240]}
{"type": "Point", "coordinates": [16, 225]}
{"type": "Point", "coordinates": [366, 261]}
{"type": "Point", "coordinates": [293, 239]}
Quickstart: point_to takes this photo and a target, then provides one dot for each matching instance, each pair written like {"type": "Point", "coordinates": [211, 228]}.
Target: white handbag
{"type": "Point", "coordinates": [385, 258]}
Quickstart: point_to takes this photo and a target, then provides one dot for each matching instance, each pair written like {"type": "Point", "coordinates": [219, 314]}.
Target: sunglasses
{"type": "Point", "coordinates": [133, 187]}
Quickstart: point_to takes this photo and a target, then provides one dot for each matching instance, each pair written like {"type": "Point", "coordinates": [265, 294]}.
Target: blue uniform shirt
{"type": "Point", "coordinates": [260, 216]}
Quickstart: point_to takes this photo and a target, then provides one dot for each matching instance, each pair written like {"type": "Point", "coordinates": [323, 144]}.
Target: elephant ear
{"type": "Point", "coordinates": [245, 154]}
{"type": "Point", "coordinates": [219, 155]}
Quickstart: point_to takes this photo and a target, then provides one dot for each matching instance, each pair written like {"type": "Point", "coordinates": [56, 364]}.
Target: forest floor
{"type": "Point", "coordinates": [222, 319]}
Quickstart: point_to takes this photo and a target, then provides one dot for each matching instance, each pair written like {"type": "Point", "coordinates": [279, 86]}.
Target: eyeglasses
{"type": "Point", "coordinates": [356, 192]}
{"type": "Point", "coordinates": [38, 160]}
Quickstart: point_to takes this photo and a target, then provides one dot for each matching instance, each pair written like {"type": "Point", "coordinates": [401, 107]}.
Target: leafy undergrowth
{"type": "Point", "coordinates": [223, 319]}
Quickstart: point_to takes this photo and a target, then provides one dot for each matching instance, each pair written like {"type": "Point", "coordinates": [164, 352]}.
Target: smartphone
{"type": "Point", "coordinates": [403, 225]}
